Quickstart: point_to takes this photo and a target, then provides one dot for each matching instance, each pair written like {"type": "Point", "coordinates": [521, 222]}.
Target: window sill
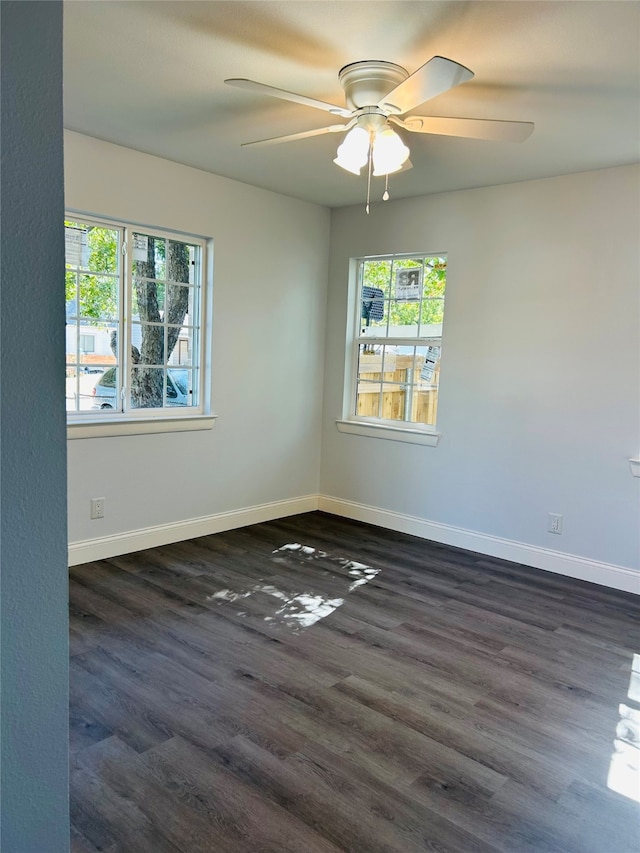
{"type": "Point", "coordinates": [102, 428]}
{"type": "Point", "coordinates": [406, 434]}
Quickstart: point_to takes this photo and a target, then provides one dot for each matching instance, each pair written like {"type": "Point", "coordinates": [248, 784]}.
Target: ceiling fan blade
{"type": "Point", "coordinates": [470, 128]}
{"type": "Point", "coordinates": [263, 89]}
{"type": "Point", "coordinates": [333, 128]}
{"type": "Point", "coordinates": [436, 76]}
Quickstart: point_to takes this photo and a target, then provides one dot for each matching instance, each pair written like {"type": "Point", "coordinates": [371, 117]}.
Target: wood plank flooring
{"type": "Point", "coordinates": [315, 685]}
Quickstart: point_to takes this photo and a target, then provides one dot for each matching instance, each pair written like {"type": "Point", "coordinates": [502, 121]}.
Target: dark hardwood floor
{"type": "Point", "coordinates": [367, 692]}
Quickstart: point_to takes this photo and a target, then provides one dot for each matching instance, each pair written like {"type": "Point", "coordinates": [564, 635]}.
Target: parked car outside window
{"type": "Point", "coordinates": [104, 390]}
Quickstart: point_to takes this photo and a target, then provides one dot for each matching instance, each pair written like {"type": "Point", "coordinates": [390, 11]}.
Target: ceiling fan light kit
{"type": "Point", "coordinates": [388, 151]}
{"type": "Point", "coordinates": [353, 153]}
{"type": "Point", "coordinates": [378, 93]}
{"type": "Point", "coordinates": [382, 144]}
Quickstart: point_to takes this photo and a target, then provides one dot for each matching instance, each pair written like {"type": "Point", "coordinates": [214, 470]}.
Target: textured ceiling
{"type": "Point", "coordinates": [149, 75]}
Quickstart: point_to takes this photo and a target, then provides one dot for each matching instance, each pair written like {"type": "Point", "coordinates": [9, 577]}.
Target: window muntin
{"type": "Point", "coordinates": [139, 296]}
{"type": "Point", "coordinates": [398, 343]}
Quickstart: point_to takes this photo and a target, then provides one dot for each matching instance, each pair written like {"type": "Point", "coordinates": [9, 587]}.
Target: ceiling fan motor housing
{"type": "Point", "coordinates": [366, 83]}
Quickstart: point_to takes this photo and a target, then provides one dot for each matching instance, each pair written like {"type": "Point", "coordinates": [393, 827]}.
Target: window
{"type": "Point", "coordinates": [398, 341]}
{"type": "Point", "coordinates": [134, 314]}
{"type": "Point", "coordinates": [87, 343]}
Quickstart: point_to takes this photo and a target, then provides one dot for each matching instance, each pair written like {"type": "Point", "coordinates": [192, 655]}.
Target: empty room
{"type": "Point", "coordinates": [320, 427]}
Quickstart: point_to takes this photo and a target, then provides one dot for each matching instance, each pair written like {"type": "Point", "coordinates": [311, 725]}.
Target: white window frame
{"type": "Point", "coordinates": [92, 424]}
{"type": "Point", "coordinates": [366, 425]}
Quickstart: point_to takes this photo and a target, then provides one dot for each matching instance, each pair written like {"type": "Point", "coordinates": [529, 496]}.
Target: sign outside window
{"type": "Point", "coordinates": [76, 246]}
{"type": "Point", "coordinates": [409, 284]}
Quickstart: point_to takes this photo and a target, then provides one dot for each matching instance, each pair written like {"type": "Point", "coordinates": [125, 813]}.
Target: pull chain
{"type": "Point", "coordinates": [368, 183]}
{"type": "Point", "coordinates": [385, 194]}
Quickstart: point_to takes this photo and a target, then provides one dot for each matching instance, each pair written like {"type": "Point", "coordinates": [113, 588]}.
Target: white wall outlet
{"type": "Point", "coordinates": [555, 523]}
{"type": "Point", "coordinates": [97, 507]}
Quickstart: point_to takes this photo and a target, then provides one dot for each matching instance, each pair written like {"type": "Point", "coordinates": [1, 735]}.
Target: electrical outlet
{"type": "Point", "coordinates": [555, 523]}
{"type": "Point", "coordinates": [97, 507]}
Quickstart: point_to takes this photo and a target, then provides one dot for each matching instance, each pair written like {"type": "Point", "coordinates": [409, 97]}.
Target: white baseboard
{"type": "Point", "coordinates": [90, 550]}
{"type": "Point", "coordinates": [605, 574]}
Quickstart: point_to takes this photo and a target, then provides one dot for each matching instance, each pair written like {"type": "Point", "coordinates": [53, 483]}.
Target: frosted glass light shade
{"type": "Point", "coordinates": [389, 152]}
{"type": "Point", "coordinates": [353, 154]}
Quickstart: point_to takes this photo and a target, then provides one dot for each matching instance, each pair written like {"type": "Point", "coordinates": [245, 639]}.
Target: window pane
{"type": "Point", "coordinates": [193, 393]}
{"type": "Point", "coordinates": [179, 302]}
{"type": "Point", "coordinates": [432, 314]}
{"type": "Point", "coordinates": [368, 399]}
{"type": "Point", "coordinates": [394, 398]}
{"type": "Point", "coordinates": [377, 362]}
{"type": "Point", "coordinates": [147, 387]}
{"type": "Point", "coordinates": [149, 342]}
{"type": "Point", "coordinates": [96, 342]}
{"type": "Point", "coordinates": [369, 380]}
{"type": "Point", "coordinates": [403, 321]}
{"type": "Point", "coordinates": [71, 389]}
{"type": "Point", "coordinates": [180, 387]}
{"type": "Point", "coordinates": [377, 273]}
{"type": "Point", "coordinates": [72, 342]}
{"type": "Point", "coordinates": [425, 392]}
{"type": "Point", "coordinates": [427, 367]}
{"type": "Point", "coordinates": [148, 256]}
{"type": "Point", "coordinates": [432, 309]}
{"type": "Point", "coordinates": [95, 352]}
{"type": "Point", "coordinates": [87, 343]}
{"type": "Point", "coordinates": [396, 365]}
{"type": "Point", "coordinates": [71, 293]}
{"type": "Point", "coordinates": [407, 280]}
{"type": "Point", "coordinates": [180, 345]}
{"type": "Point", "coordinates": [160, 259]}
{"type": "Point", "coordinates": [80, 385]}
{"type": "Point", "coordinates": [79, 389]}
{"type": "Point", "coordinates": [435, 277]}
{"type": "Point", "coordinates": [91, 247]}
{"type": "Point", "coordinates": [76, 245]}
{"type": "Point", "coordinates": [103, 249]}
{"type": "Point", "coordinates": [181, 258]}
{"type": "Point", "coordinates": [147, 300]}
{"type": "Point", "coordinates": [104, 390]}
{"type": "Point", "coordinates": [98, 297]}
{"type": "Point", "coordinates": [373, 309]}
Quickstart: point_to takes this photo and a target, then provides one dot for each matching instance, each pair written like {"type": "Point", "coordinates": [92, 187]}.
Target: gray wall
{"type": "Point", "coordinates": [34, 658]}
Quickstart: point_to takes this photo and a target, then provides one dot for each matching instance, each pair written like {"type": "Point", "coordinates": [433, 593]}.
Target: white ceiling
{"type": "Point", "coordinates": [149, 75]}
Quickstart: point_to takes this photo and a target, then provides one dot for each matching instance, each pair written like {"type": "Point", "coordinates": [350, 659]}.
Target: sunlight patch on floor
{"type": "Point", "coordinates": [624, 769]}
{"type": "Point", "coordinates": [301, 609]}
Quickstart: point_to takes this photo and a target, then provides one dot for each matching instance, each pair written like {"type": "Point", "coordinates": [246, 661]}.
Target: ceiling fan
{"type": "Point", "coordinates": [378, 94]}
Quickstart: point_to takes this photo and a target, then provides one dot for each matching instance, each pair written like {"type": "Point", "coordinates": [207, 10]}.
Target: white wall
{"type": "Point", "coordinates": [539, 404]}
{"type": "Point", "coordinates": [270, 279]}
